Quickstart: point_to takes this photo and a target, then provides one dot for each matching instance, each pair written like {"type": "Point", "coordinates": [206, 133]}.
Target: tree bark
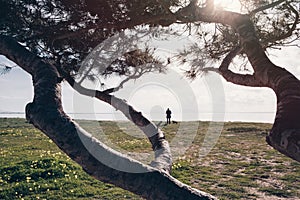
{"type": "Point", "coordinates": [239, 79]}
{"type": "Point", "coordinates": [46, 113]}
{"type": "Point", "coordinates": [285, 133]}
{"type": "Point", "coordinates": [162, 153]}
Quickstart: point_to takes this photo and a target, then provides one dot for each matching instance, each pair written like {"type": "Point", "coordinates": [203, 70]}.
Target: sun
{"type": "Point", "coordinates": [231, 5]}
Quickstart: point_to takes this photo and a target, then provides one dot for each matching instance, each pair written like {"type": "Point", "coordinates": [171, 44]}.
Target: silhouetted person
{"type": "Point", "coordinates": [168, 112]}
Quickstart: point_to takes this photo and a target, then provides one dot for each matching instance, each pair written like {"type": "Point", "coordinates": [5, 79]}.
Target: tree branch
{"type": "Point", "coordinates": [239, 79]}
{"type": "Point", "coordinates": [101, 162]}
{"type": "Point", "coordinates": [163, 20]}
{"type": "Point", "coordinates": [243, 25]}
{"type": "Point", "coordinates": [294, 26]}
{"type": "Point", "coordinates": [285, 134]}
{"type": "Point", "coordinates": [266, 7]}
{"type": "Point", "coordinates": [163, 160]}
{"type": "Point", "coordinates": [134, 76]}
{"type": "Point", "coordinates": [289, 33]}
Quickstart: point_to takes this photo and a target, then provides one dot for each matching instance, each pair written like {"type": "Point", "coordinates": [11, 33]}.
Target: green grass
{"type": "Point", "coordinates": [240, 166]}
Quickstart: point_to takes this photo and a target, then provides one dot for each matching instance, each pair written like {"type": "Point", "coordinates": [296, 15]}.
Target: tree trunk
{"type": "Point", "coordinates": [285, 133]}
{"type": "Point", "coordinates": [46, 113]}
{"type": "Point", "coordinates": [160, 146]}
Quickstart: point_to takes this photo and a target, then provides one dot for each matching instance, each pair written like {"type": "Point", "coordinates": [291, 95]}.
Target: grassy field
{"type": "Point", "coordinates": [240, 166]}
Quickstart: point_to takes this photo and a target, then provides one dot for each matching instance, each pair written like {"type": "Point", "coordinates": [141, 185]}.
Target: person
{"type": "Point", "coordinates": [168, 112]}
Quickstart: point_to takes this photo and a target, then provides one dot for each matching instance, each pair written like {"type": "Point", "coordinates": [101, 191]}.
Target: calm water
{"type": "Point", "coordinates": [266, 117]}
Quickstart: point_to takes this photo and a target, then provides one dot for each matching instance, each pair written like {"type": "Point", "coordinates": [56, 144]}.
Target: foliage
{"type": "Point", "coordinates": [277, 26]}
{"type": "Point", "coordinates": [64, 32]}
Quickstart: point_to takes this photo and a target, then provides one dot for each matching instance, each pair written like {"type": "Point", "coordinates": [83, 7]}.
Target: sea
{"type": "Point", "coordinates": [263, 117]}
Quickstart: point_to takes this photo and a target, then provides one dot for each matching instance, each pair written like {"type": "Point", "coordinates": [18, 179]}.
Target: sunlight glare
{"type": "Point", "coordinates": [231, 5]}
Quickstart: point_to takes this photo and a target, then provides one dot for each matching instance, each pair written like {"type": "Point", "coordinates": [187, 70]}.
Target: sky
{"type": "Point", "coordinates": [208, 97]}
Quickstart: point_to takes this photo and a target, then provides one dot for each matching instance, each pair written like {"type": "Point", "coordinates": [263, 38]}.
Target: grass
{"type": "Point", "coordinates": [239, 166]}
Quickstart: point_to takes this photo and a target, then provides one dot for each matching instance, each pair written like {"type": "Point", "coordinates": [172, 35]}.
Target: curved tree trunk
{"type": "Point", "coordinates": [46, 113]}
{"type": "Point", "coordinates": [285, 133]}
{"type": "Point", "coordinates": [160, 146]}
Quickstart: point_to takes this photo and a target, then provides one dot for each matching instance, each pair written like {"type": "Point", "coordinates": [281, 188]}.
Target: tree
{"type": "Point", "coordinates": [50, 38]}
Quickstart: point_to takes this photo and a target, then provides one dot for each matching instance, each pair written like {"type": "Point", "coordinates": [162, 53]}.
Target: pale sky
{"type": "Point", "coordinates": [207, 98]}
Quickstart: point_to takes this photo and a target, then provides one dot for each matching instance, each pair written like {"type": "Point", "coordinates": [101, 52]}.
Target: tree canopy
{"type": "Point", "coordinates": [50, 39]}
{"type": "Point", "coordinates": [65, 32]}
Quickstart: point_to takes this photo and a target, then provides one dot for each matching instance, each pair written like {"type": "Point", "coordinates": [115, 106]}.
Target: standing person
{"type": "Point", "coordinates": [168, 112]}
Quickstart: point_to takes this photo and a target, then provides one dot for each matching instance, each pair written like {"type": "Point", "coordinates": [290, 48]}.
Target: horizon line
{"type": "Point", "coordinates": [20, 112]}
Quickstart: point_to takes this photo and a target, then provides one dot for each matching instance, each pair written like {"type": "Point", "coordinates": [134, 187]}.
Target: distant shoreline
{"type": "Point", "coordinates": [256, 117]}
